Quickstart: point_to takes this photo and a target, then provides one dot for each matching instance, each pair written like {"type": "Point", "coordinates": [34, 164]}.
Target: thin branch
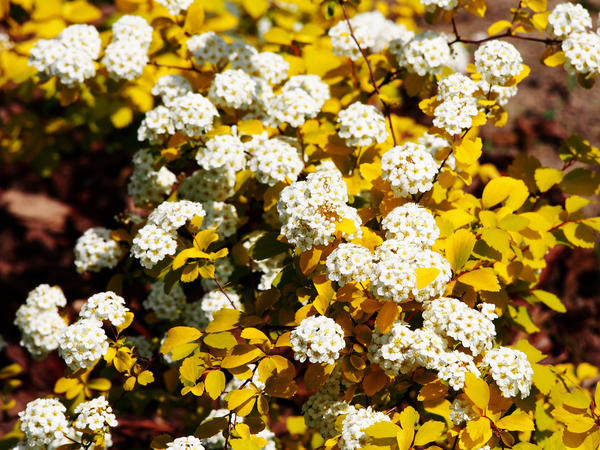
{"type": "Point", "coordinates": [386, 107]}
{"type": "Point", "coordinates": [507, 34]}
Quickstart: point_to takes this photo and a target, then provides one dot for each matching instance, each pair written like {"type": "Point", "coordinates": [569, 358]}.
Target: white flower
{"type": "Point", "coordinates": [271, 67]}
{"type": "Point", "coordinates": [355, 422]}
{"type": "Point", "coordinates": [81, 344]}
{"type": "Point", "coordinates": [409, 169]}
{"type": "Point", "coordinates": [498, 62]}
{"type": "Point", "coordinates": [186, 443]}
{"type": "Point", "coordinates": [207, 47]}
{"type": "Point", "coordinates": [412, 224]}
{"type": "Point", "coordinates": [222, 152]}
{"type": "Point", "coordinates": [426, 53]}
{"type": "Point", "coordinates": [166, 305]}
{"type": "Point", "coordinates": [362, 125]}
{"type": "Point", "coordinates": [511, 370]}
{"type": "Point", "coordinates": [43, 421]}
{"type": "Point", "coordinates": [274, 160]}
{"type": "Point", "coordinates": [318, 339]}
{"type": "Point", "coordinates": [316, 88]}
{"type": "Point", "coordinates": [96, 250]}
{"type": "Point", "coordinates": [349, 262]}
{"type": "Point", "coordinates": [105, 306]}
{"type": "Point", "coordinates": [193, 114]}
{"type": "Point", "coordinates": [169, 87]}
{"type": "Point", "coordinates": [94, 415]}
{"type": "Point", "coordinates": [176, 6]}
{"type": "Point", "coordinates": [209, 184]}
{"type": "Point", "coordinates": [567, 18]}
{"type": "Point", "coordinates": [583, 53]}
{"type": "Point", "coordinates": [232, 88]}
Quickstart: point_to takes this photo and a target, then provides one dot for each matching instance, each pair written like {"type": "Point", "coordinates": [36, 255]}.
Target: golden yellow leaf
{"type": "Point", "coordinates": [80, 11]}
{"type": "Point", "coordinates": [483, 279]}
{"type": "Point", "coordinates": [546, 177]}
{"type": "Point", "coordinates": [177, 336]}
{"type": "Point", "coordinates": [256, 8]}
{"type": "Point", "coordinates": [536, 5]}
{"type": "Point", "coordinates": [426, 276]}
{"type": "Point", "coordinates": [194, 18]}
{"type": "Point", "coordinates": [146, 377]}
{"type": "Point", "coordinates": [517, 421]}
{"type": "Point", "coordinates": [224, 340]}
{"type": "Point", "coordinates": [459, 247]}
{"type": "Point", "coordinates": [387, 316]}
{"type": "Point", "coordinates": [223, 320]}
{"type": "Point", "coordinates": [279, 36]}
{"type": "Point", "coordinates": [129, 383]}
{"type": "Point", "coordinates": [430, 431]}
{"type": "Point", "coordinates": [99, 384]}
{"type": "Point", "coordinates": [505, 189]}
{"type": "Point", "coordinates": [240, 355]}
{"type": "Point", "coordinates": [477, 390]}
{"type": "Point", "coordinates": [556, 59]}
{"type": "Point", "coordinates": [499, 26]}
{"type": "Point", "coordinates": [468, 151]}
{"type": "Point", "coordinates": [214, 383]}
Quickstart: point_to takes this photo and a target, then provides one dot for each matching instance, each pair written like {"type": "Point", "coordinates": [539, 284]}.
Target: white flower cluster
{"type": "Point", "coordinates": [176, 6]}
{"type": "Point", "coordinates": [147, 185]}
{"type": "Point", "coordinates": [498, 62]}
{"type": "Point", "coordinates": [412, 224]}
{"type": "Point", "coordinates": [157, 126]}
{"type": "Point", "coordinates": [158, 238]}
{"type": "Point", "coordinates": [393, 350]}
{"type": "Point", "coordinates": [221, 216]}
{"type": "Point", "coordinates": [270, 67]}
{"type": "Point", "coordinates": [208, 184]}
{"type": "Point", "coordinates": [169, 87]}
{"type": "Point", "coordinates": [186, 443]}
{"type": "Point", "coordinates": [451, 318]}
{"type": "Point", "coordinates": [454, 368]}
{"type": "Point", "coordinates": [94, 415]}
{"type": "Point", "coordinates": [39, 321]}
{"type": "Point", "coordinates": [409, 169]}
{"type": "Point", "coordinates": [511, 371]}
{"type": "Point", "coordinates": [105, 306]}
{"type": "Point", "coordinates": [199, 314]}
{"type": "Point", "coordinates": [43, 422]}
{"type": "Point", "coordinates": [458, 104]}
{"type": "Point", "coordinates": [393, 277]}
{"type": "Point", "coordinates": [127, 55]}
{"type": "Point", "coordinates": [318, 339]}
{"type": "Point", "coordinates": [70, 56]}
{"type": "Point", "coordinates": [349, 262]}
{"type": "Point", "coordinates": [425, 54]}
{"type": "Point", "coordinates": [583, 53]}
{"type": "Point", "coordinates": [567, 18]}
{"type": "Point", "coordinates": [431, 5]}
{"type": "Point", "coordinates": [232, 88]}
{"type": "Point", "coordinates": [166, 306]}
{"type": "Point", "coordinates": [82, 343]}
{"type": "Point", "coordinates": [222, 152]}
{"type": "Point", "coordinates": [321, 410]}
{"type": "Point", "coordinates": [372, 31]}
{"type": "Point", "coordinates": [193, 114]}
{"type": "Point", "coordinates": [311, 209]}
{"type": "Point", "coordinates": [95, 250]}
{"type": "Point", "coordinates": [354, 426]}
{"type": "Point", "coordinates": [462, 410]}
{"type": "Point", "coordinates": [207, 47]}
{"type": "Point", "coordinates": [362, 125]}
{"type": "Point", "coordinates": [275, 160]}
{"type": "Point", "coordinates": [293, 106]}
{"type": "Point", "coordinates": [316, 88]}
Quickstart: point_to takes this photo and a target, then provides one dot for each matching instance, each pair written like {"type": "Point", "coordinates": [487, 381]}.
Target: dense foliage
{"type": "Point", "coordinates": [320, 272]}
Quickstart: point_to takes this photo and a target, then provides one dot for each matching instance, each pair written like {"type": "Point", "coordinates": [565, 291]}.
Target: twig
{"type": "Point", "coordinates": [506, 34]}
{"type": "Point", "coordinates": [224, 293]}
{"type": "Point", "coordinates": [386, 107]}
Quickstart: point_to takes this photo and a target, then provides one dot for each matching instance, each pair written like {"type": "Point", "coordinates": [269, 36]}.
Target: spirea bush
{"type": "Point", "coordinates": [319, 271]}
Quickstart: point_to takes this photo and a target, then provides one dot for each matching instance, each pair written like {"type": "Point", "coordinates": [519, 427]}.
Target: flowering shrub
{"type": "Point", "coordinates": [307, 252]}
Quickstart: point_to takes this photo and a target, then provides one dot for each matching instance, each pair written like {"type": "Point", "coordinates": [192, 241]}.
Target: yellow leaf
{"type": "Point", "coordinates": [513, 222]}
{"type": "Point", "coordinates": [483, 279]}
{"type": "Point", "coordinates": [224, 340]}
{"type": "Point", "coordinates": [536, 5]}
{"type": "Point", "coordinates": [122, 117]}
{"type": "Point", "coordinates": [223, 320]}
{"type": "Point", "coordinates": [346, 226]}
{"type": "Point", "coordinates": [254, 334]}
{"type": "Point", "coordinates": [237, 398]}
{"type": "Point", "coordinates": [99, 384]}
{"type": "Point", "coordinates": [178, 336]}
{"type": "Point", "coordinates": [517, 421]}
{"type": "Point", "coordinates": [124, 361]}
{"type": "Point", "coordinates": [205, 271]}
{"type": "Point", "coordinates": [579, 234]}
{"type": "Point", "coordinates": [64, 384]}
{"type": "Point", "coordinates": [296, 425]}
{"type": "Point", "coordinates": [477, 390]}
{"type": "Point", "coordinates": [408, 418]}
{"type": "Point", "coordinates": [477, 7]}
{"type": "Point", "coordinates": [575, 203]}
{"type": "Point", "coordinates": [430, 431]}
{"type": "Point", "coordinates": [499, 27]}
{"type": "Point", "coordinates": [468, 151]}
{"type": "Point", "coordinates": [240, 355]}
{"type": "Point", "coordinates": [214, 383]}
{"type": "Point", "coordinates": [309, 260]}
{"type": "Point", "coordinates": [550, 300]}
{"type": "Point", "coordinates": [244, 443]}
{"type": "Point", "coordinates": [540, 20]}
{"type": "Point", "coordinates": [505, 189]}
{"type": "Point", "coordinates": [146, 377]}
{"type": "Point", "coordinates": [128, 320]}
{"type": "Point", "coordinates": [382, 430]}
{"type": "Point", "coordinates": [387, 316]}
{"type": "Point", "coordinates": [279, 36]}
{"type": "Point", "coordinates": [204, 238]}
{"type": "Point", "coordinates": [426, 276]}
{"type": "Point", "coordinates": [194, 18]}
{"type": "Point", "coordinates": [404, 438]}
{"type": "Point", "coordinates": [80, 11]}
{"type": "Point", "coordinates": [129, 384]}
{"type": "Point", "coordinates": [250, 126]}
{"type": "Point", "coordinates": [191, 368]}
{"type": "Point", "coordinates": [459, 247]}
{"type": "Point", "coordinates": [546, 177]}
{"type": "Point", "coordinates": [497, 239]}
{"type": "Point", "coordinates": [556, 59]}
{"type": "Point", "coordinates": [255, 8]}
{"type": "Point", "coordinates": [479, 429]}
